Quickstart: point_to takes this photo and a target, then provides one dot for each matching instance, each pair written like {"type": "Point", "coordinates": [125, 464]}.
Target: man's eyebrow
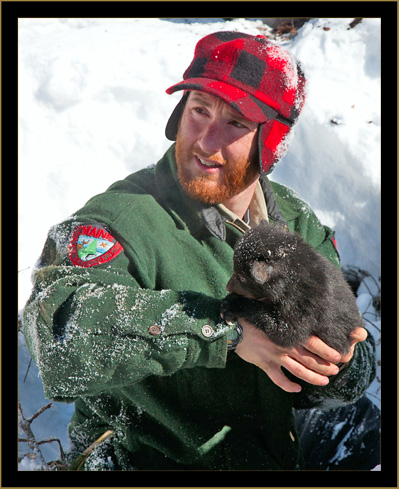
{"type": "Point", "coordinates": [196, 97]}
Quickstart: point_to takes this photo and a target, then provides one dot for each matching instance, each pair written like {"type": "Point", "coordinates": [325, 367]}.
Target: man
{"type": "Point", "coordinates": [124, 318]}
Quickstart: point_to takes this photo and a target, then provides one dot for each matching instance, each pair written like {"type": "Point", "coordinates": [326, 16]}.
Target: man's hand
{"type": "Point", "coordinates": [358, 335]}
{"type": "Point", "coordinates": [314, 362]}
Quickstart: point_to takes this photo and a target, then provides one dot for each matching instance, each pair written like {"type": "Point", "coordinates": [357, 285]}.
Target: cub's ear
{"type": "Point", "coordinates": [261, 271]}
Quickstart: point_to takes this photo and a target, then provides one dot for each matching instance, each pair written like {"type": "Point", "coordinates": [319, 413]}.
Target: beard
{"type": "Point", "coordinates": [237, 174]}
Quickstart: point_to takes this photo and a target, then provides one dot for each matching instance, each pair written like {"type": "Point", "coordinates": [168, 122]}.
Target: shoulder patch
{"type": "Point", "coordinates": [91, 245]}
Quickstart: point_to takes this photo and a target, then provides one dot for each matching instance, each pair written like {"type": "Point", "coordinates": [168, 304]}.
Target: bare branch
{"type": "Point", "coordinates": [34, 416]}
{"type": "Point", "coordinates": [25, 426]}
{"type": "Point", "coordinates": [50, 440]}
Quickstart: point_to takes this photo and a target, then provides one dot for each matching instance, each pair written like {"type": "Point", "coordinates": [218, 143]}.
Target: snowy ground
{"type": "Point", "coordinates": [93, 108]}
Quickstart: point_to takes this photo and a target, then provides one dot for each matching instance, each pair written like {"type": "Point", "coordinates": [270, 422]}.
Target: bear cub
{"type": "Point", "coordinates": [284, 287]}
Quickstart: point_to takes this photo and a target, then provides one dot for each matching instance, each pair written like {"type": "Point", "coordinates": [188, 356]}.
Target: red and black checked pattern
{"type": "Point", "coordinates": [256, 77]}
{"type": "Point", "coordinates": [253, 75]}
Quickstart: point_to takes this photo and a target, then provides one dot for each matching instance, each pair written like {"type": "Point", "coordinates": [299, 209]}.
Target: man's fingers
{"type": "Point", "coordinates": [346, 357]}
{"type": "Point", "coordinates": [318, 347]}
{"type": "Point", "coordinates": [358, 335]}
{"type": "Point", "coordinates": [314, 362]}
{"type": "Point", "coordinates": [304, 373]}
{"type": "Point", "coordinates": [276, 375]}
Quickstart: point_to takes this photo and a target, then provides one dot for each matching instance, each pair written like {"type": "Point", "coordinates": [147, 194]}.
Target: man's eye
{"type": "Point", "coordinates": [200, 110]}
{"type": "Point", "coordinates": [238, 124]}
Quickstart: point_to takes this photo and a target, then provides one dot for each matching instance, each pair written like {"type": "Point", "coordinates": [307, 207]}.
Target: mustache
{"type": "Point", "coordinates": [218, 159]}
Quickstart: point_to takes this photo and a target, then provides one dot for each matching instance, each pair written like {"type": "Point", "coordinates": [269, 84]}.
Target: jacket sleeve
{"type": "Point", "coordinates": [91, 329]}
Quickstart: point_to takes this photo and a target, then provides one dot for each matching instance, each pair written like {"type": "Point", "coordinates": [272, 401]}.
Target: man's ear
{"type": "Point", "coordinates": [261, 271]}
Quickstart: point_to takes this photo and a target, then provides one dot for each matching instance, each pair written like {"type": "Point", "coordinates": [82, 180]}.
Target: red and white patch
{"type": "Point", "coordinates": [91, 245]}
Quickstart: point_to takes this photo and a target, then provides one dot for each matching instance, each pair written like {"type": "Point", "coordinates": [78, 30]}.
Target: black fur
{"type": "Point", "coordinates": [291, 291]}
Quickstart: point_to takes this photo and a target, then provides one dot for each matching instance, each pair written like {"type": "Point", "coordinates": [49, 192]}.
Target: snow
{"type": "Point", "coordinates": [93, 109]}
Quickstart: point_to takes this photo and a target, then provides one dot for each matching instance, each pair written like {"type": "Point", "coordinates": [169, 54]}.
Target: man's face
{"type": "Point", "coordinates": [216, 151]}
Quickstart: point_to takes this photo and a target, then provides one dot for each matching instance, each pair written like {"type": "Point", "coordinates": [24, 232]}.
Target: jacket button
{"type": "Point", "coordinates": [207, 331]}
{"type": "Point", "coordinates": [154, 329]}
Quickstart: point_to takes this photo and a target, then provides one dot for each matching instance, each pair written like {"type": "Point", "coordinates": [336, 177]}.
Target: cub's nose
{"type": "Point", "coordinates": [229, 286]}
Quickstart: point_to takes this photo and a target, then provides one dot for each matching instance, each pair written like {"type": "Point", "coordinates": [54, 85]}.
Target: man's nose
{"type": "Point", "coordinates": [211, 137]}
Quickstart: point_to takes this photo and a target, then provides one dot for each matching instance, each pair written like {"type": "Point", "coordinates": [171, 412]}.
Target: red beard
{"type": "Point", "coordinates": [238, 174]}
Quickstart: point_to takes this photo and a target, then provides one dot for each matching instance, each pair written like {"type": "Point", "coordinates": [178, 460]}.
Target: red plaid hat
{"type": "Point", "coordinates": [259, 79]}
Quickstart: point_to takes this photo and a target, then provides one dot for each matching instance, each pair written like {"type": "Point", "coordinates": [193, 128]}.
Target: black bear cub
{"type": "Point", "coordinates": [284, 287]}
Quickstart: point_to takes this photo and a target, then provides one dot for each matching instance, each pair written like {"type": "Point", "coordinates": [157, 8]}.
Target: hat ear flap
{"type": "Point", "coordinates": [272, 144]}
{"type": "Point", "coordinates": [173, 122]}
{"type": "Point", "coordinates": [261, 271]}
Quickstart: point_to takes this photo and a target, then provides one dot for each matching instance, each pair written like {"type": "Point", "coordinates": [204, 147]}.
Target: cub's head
{"type": "Point", "coordinates": [261, 262]}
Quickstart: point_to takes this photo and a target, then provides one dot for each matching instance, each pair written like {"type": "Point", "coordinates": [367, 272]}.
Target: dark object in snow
{"type": "Point", "coordinates": [355, 276]}
{"type": "Point", "coordinates": [354, 279]}
{"type": "Point", "coordinates": [354, 22]}
{"type": "Point", "coordinates": [289, 27]}
{"type": "Point", "coordinates": [285, 288]}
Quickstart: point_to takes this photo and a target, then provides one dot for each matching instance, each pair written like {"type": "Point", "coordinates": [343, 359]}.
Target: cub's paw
{"type": "Point", "coordinates": [227, 308]}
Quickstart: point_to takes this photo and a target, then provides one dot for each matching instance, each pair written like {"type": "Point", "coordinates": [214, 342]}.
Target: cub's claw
{"type": "Point", "coordinates": [225, 308]}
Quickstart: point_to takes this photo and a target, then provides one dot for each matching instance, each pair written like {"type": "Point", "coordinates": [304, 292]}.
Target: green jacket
{"type": "Point", "coordinates": [125, 339]}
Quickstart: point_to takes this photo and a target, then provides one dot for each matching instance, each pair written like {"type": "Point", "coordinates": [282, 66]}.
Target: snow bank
{"type": "Point", "coordinates": [334, 159]}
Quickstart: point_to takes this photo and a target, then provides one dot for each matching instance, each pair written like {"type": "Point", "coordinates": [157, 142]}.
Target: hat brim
{"type": "Point", "coordinates": [246, 105]}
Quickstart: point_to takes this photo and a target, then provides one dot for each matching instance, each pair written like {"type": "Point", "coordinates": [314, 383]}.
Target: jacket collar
{"type": "Point", "coordinates": [194, 215]}
{"type": "Point", "coordinates": [273, 210]}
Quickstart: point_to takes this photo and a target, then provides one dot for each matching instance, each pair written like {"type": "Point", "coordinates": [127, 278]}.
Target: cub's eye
{"type": "Point", "coordinates": [241, 278]}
